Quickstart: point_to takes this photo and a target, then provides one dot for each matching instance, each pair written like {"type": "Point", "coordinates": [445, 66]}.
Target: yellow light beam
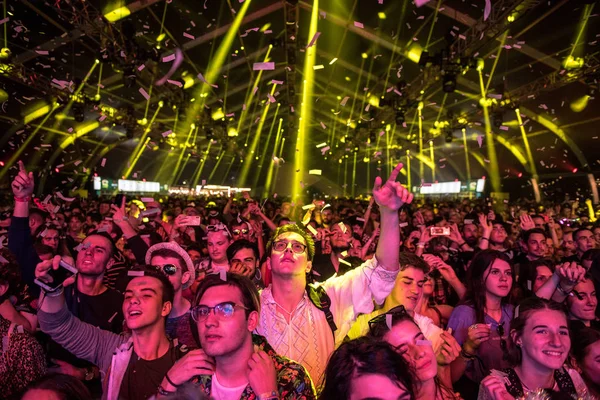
{"type": "Point", "coordinates": [269, 179]}
{"type": "Point", "coordinates": [421, 166]}
{"type": "Point", "coordinates": [305, 105]}
{"type": "Point", "coordinates": [500, 48]}
{"type": "Point", "coordinates": [262, 158]}
{"type": "Point", "coordinates": [139, 154]}
{"type": "Point", "coordinates": [140, 146]}
{"type": "Point", "coordinates": [216, 167]}
{"type": "Point", "coordinates": [280, 153]}
{"type": "Point", "coordinates": [432, 161]}
{"type": "Point", "coordinates": [202, 163]}
{"type": "Point", "coordinates": [489, 139]}
{"type": "Point", "coordinates": [250, 153]}
{"type": "Point", "coordinates": [354, 174]}
{"type": "Point", "coordinates": [250, 93]}
{"type": "Point", "coordinates": [585, 16]}
{"type": "Point", "coordinates": [466, 147]}
{"type": "Point", "coordinates": [81, 130]}
{"type": "Point", "coordinates": [15, 156]}
{"type": "Point", "coordinates": [408, 174]}
{"type": "Point", "coordinates": [183, 150]}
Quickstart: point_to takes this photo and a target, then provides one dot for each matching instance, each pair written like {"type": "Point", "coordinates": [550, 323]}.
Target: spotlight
{"type": "Point", "coordinates": [449, 83]}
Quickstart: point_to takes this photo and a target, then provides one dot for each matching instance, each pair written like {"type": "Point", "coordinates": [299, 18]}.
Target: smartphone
{"type": "Point", "coordinates": [439, 231]}
{"type": "Point", "coordinates": [118, 200]}
{"type": "Point", "coordinates": [58, 276]}
{"type": "Point", "coordinates": [150, 212]}
{"type": "Point", "coordinates": [191, 220]}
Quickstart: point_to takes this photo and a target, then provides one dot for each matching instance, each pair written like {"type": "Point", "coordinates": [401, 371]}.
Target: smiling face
{"type": "Point", "coordinates": [286, 263]}
{"type": "Point", "coordinates": [223, 336]}
{"type": "Point", "coordinates": [584, 309]}
{"type": "Point", "coordinates": [498, 278]}
{"type": "Point", "coordinates": [405, 337]}
{"type": "Point", "coordinates": [217, 243]}
{"type": "Point", "coordinates": [95, 257]}
{"type": "Point", "coordinates": [143, 304]}
{"type": "Point", "coordinates": [545, 341]}
{"type": "Point", "coordinates": [408, 288]}
{"type": "Point", "coordinates": [341, 235]}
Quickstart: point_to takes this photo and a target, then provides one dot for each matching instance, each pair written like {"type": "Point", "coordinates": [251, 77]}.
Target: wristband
{"type": "Point", "coordinates": [163, 392]}
{"type": "Point", "coordinates": [269, 396]}
{"type": "Point", "coordinates": [54, 293]}
{"type": "Point", "coordinates": [25, 199]}
{"type": "Point", "coordinates": [563, 291]}
{"type": "Point", "coordinates": [462, 244]}
{"type": "Point", "coordinates": [466, 355]}
{"type": "Point", "coordinates": [170, 381]}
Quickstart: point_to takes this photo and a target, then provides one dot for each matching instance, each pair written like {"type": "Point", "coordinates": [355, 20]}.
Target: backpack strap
{"type": "Point", "coordinates": [564, 381]}
{"type": "Point", "coordinates": [319, 297]}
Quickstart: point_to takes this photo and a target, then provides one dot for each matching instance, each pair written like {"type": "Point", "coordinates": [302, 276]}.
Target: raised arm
{"type": "Point", "coordinates": [390, 197]}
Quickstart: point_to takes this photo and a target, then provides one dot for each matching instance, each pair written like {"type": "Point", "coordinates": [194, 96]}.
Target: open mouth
{"type": "Point", "coordinates": [134, 313]}
{"type": "Point", "coordinates": [550, 353]}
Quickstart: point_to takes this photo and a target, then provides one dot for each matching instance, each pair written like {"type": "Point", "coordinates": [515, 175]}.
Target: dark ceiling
{"type": "Point", "coordinates": [60, 40]}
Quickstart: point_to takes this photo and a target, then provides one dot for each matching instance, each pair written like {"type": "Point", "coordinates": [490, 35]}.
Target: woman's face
{"type": "Point", "coordinates": [409, 341]}
{"type": "Point", "coordinates": [428, 287]}
{"type": "Point", "coordinates": [590, 365]}
{"type": "Point", "coordinates": [542, 274]}
{"type": "Point", "coordinates": [498, 278]}
{"type": "Point", "coordinates": [375, 386]}
{"type": "Point", "coordinates": [583, 309]}
{"type": "Point", "coordinates": [545, 342]}
{"type": "Point", "coordinates": [498, 234]}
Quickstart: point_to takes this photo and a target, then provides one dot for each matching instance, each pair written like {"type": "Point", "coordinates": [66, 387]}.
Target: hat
{"type": "Point", "coordinates": [175, 248]}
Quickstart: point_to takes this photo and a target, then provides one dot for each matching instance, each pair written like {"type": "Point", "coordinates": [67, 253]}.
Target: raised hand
{"type": "Point", "coordinates": [495, 389]}
{"type": "Point", "coordinates": [477, 334]}
{"type": "Point", "coordinates": [486, 226]}
{"type": "Point", "coordinates": [449, 349]}
{"type": "Point", "coordinates": [261, 373]}
{"type": "Point", "coordinates": [391, 195]}
{"type": "Point", "coordinates": [42, 271]}
{"type": "Point", "coordinates": [119, 213]}
{"type": "Point", "coordinates": [23, 184]}
{"type": "Point", "coordinates": [526, 222]}
{"type": "Point", "coordinates": [570, 274]}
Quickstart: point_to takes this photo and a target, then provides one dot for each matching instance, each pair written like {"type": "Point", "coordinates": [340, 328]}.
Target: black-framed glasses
{"type": "Point", "coordinates": [240, 231]}
{"type": "Point", "coordinates": [221, 310]}
{"type": "Point", "coordinates": [396, 313]}
{"type": "Point", "coordinates": [281, 245]}
{"type": "Point", "coordinates": [167, 269]}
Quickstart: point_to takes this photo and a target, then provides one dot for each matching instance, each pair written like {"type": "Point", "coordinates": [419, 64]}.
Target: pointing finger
{"type": "Point", "coordinates": [21, 166]}
{"type": "Point", "coordinates": [395, 172]}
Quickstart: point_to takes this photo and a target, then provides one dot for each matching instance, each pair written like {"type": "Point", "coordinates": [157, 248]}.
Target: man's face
{"type": "Point", "coordinates": [327, 216]}
{"type": "Point", "coordinates": [180, 277]}
{"type": "Point", "coordinates": [341, 235]}
{"type": "Point", "coordinates": [51, 238]}
{"type": "Point", "coordinates": [95, 257]}
{"type": "Point", "coordinates": [106, 226]}
{"type": "Point", "coordinates": [195, 255]}
{"type": "Point", "coordinates": [287, 263]}
{"type": "Point", "coordinates": [498, 234]}
{"type": "Point", "coordinates": [143, 306]}
{"type": "Point", "coordinates": [35, 221]}
{"type": "Point", "coordinates": [104, 208]}
{"type": "Point", "coordinates": [427, 215]}
{"type": "Point", "coordinates": [539, 222]}
{"type": "Point", "coordinates": [408, 287]}
{"type": "Point", "coordinates": [75, 225]}
{"type": "Point", "coordinates": [568, 242]}
{"type": "Point", "coordinates": [241, 231]}
{"type": "Point", "coordinates": [245, 258]}
{"type": "Point", "coordinates": [470, 233]}
{"type": "Point", "coordinates": [222, 336]}
{"type": "Point", "coordinates": [217, 243]}
{"type": "Point", "coordinates": [60, 219]}
{"type": "Point", "coordinates": [597, 236]}
{"type": "Point", "coordinates": [585, 241]}
{"type": "Point", "coordinates": [536, 245]}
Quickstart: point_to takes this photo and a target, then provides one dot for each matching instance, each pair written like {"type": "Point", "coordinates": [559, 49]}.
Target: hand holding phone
{"type": "Point", "coordinates": [439, 231]}
{"type": "Point", "coordinates": [52, 274]}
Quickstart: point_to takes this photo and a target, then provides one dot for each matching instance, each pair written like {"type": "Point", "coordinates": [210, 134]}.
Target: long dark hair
{"type": "Point", "coordinates": [522, 314]}
{"type": "Point", "coordinates": [364, 355]}
{"type": "Point", "coordinates": [476, 277]}
{"type": "Point", "coordinates": [65, 387]}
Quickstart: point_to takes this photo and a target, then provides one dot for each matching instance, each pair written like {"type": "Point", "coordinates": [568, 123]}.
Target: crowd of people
{"type": "Point", "coordinates": [234, 298]}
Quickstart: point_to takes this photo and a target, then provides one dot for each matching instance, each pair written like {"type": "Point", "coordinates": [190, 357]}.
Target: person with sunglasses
{"type": "Point", "coordinates": [233, 363]}
{"type": "Point", "coordinates": [539, 347]}
{"type": "Point", "coordinates": [306, 322]}
{"type": "Point", "coordinates": [177, 265]}
{"type": "Point", "coordinates": [241, 230]}
{"type": "Point", "coordinates": [397, 328]}
{"type": "Point", "coordinates": [132, 364]}
{"type": "Point", "coordinates": [481, 321]}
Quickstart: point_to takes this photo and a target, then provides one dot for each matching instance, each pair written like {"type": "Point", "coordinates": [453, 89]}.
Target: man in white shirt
{"type": "Point", "coordinates": [291, 322]}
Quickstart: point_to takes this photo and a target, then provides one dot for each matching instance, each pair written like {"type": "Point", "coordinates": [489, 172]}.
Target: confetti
{"type": "Point", "coordinates": [315, 172]}
{"type": "Point", "coordinates": [358, 24]}
{"type": "Point", "coordinates": [313, 40]}
{"type": "Point", "coordinates": [144, 93]}
{"type": "Point", "coordinates": [344, 101]}
{"type": "Point", "coordinates": [103, 162]}
{"type": "Point", "coordinates": [263, 66]}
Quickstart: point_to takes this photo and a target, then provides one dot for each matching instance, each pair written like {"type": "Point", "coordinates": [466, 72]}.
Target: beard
{"type": "Point", "coordinates": [340, 249]}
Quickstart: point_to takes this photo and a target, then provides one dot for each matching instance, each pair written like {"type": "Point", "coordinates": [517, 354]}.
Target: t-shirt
{"type": "Point", "coordinates": [322, 267]}
{"type": "Point", "coordinates": [220, 392]}
{"type": "Point", "coordinates": [104, 310]}
{"type": "Point", "coordinates": [143, 377]}
{"type": "Point", "coordinates": [180, 328]}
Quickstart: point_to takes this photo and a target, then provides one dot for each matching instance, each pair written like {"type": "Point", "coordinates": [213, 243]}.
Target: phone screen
{"type": "Point", "coordinates": [58, 276]}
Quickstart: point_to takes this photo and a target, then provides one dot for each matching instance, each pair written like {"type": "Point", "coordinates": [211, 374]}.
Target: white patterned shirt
{"type": "Point", "coordinates": [308, 339]}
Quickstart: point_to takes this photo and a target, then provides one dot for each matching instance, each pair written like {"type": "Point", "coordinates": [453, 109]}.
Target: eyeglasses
{"type": "Point", "coordinates": [168, 269]}
{"type": "Point", "coordinates": [217, 228]}
{"type": "Point", "coordinates": [222, 310]}
{"type": "Point", "coordinates": [282, 245]}
{"type": "Point", "coordinates": [503, 344]}
{"type": "Point", "coordinates": [396, 313]}
{"type": "Point", "coordinates": [240, 231]}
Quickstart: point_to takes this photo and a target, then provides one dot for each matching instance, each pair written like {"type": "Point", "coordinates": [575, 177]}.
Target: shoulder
{"type": "Point", "coordinates": [463, 311]}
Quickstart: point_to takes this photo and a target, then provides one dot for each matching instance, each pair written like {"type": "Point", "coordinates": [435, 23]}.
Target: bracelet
{"type": "Point", "coordinates": [563, 291]}
{"type": "Point", "coordinates": [466, 355]}
{"type": "Point", "coordinates": [25, 199]}
{"type": "Point", "coordinates": [269, 396]}
{"type": "Point", "coordinates": [163, 392]}
{"type": "Point", "coordinates": [170, 381]}
{"type": "Point", "coordinates": [54, 293]}
{"type": "Point", "coordinates": [484, 238]}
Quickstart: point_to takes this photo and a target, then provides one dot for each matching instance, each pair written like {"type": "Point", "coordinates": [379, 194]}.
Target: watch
{"type": "Point", "coordinates": [89, 374]}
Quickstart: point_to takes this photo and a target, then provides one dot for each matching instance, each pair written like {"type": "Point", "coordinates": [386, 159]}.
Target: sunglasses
{"type": "Point", "coordinates": [503, 344]}
{"type": "Point", "coordinates": [167, 269]}
{"type": "Point", "coordinates": [221, 310]}
{"type": "Point", "coordinates": [240, 231]}
{"type": "Point", "coordinates": [397, 312]}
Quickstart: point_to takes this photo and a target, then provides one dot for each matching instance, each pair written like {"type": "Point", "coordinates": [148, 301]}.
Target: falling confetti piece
{"type": "Point", "coordinates": [344, 101]}
{"type": "Point", "coordinates": [314, 39]}
{"type": "Point", "coordinates": [103, 162]}
{"type": "Point", "coordinates": [263, 66]}
{"type": "Point", "coordinates": [144, 93]}
{"type": "Point", "coordinates": [480, 140]}
{"type": "Point", "coordinates": [314, 172]}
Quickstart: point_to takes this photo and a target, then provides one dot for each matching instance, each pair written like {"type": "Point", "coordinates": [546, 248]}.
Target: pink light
{"type": "Point", "coordinates": [574, 170]}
